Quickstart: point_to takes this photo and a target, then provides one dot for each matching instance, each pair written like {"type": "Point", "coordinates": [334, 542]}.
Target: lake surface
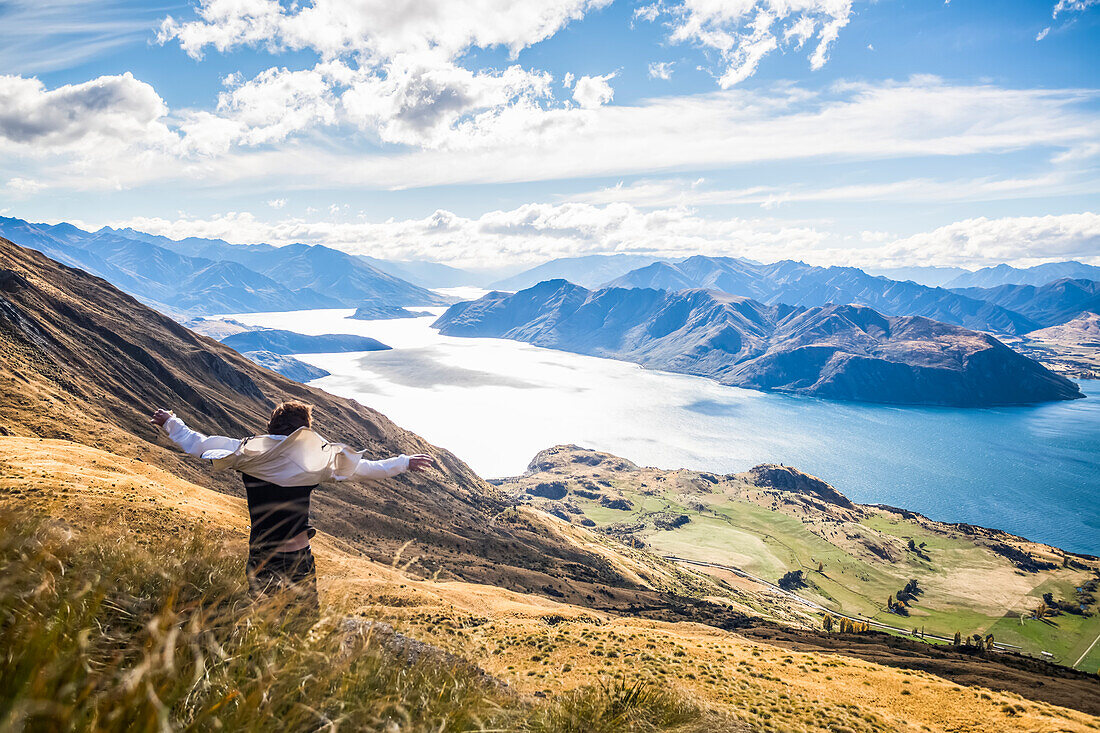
{"type": "Point", "coordinates": [495, 403]}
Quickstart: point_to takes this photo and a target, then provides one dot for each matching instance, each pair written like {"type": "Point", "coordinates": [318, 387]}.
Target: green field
{"type": "Point", "coordinates": [967, 587]}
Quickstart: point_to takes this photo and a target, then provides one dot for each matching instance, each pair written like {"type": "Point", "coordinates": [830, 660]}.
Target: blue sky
{"type": "Point", "coordinates": [489, 132]}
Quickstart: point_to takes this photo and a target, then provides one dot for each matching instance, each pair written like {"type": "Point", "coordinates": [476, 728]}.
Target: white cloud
{"type": "Point", "coordinates": [266, 109]}
{"type": "Point", "coordinates": [1073, 6]}
{"type": "Point", "coordinates": [746, 31]}
{"type": "Point", "coordinates": [594, 91]}
{"type": "Point", "coordinates": [19, 185]}
{"type": "Point", "coordinates": [114, 110]}
{"type": "Point", "coordinates": [277, 203]}
{"type": "Point", "coordinates": [1042, 34]}
{"type": "Point", "coordinates": [429, 102]}
{"type": "Point", "coordinates": [1023, 241]}
{"type": "Point", "coordinates": [537, 232]}
{"type": "Point", "coordinates": [379, 29]}
{"type": "Point", "coordinates": [660, 70]}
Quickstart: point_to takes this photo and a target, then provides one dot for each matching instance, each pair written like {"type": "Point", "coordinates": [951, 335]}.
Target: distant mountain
{"type": "Point", "coordinates": [933, 277]}
{"type": "Point", "coordinates": [1046, 305]}
{"type": "Point", "coordinates": [282, 342]}
{"type": "Point", "coordinates": [842, 352]}
{"type": "Point", "coordinates": [288, 366]}
{"type": "Point", "coordinates": [796, 283]}
{"type": "Point", "coordinates": [589, 271]}
{"type": "Point", "coordinates": [229, 287]}
{"type": "Point", "coordinates": [197, 276]}
{"type": "Point", "coordinates": [991, 277]}
{"type": "Point", "coordinates": [338, 275]}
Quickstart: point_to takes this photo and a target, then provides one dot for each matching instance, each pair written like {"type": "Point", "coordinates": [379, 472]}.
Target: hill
{"type": "Point", "coordinates": [796, 283]}
{"type": "Point", "coordinates": [473, 654]}
{"type": "Point", "coordinates": [991, 277]}
{"type": "Point", "coordinates": [87, 363]}
{"type": "Point", "coordinates": [1071, 348]}
{"type": "Point", "coordinates": [754, 527]}
{"type": "Point", "coordinates": [838, 352]}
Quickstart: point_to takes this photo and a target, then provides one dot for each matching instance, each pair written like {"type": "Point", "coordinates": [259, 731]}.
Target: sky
{"type": "Point", "coordinates": [488, 133]}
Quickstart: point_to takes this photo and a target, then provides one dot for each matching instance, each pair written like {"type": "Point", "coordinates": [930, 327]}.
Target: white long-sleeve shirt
{"type": "Point", "coordinates": [302, 458]}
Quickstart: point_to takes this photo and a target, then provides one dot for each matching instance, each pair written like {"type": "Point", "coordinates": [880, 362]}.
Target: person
{"type": "Point", "coordinates": [281, 469]}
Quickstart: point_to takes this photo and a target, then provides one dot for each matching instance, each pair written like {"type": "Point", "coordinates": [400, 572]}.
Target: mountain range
{"type": "Point", "coordinates": [845, 352]}
{"type": "Point", "coordinates": [796, 283]}
{"type": "Point", "coordinates": [989, 277]}
{"type": "Point", "coordinates": [205, 276]}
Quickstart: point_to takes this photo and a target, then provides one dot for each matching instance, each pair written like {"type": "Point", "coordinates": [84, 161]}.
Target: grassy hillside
{"type": "Point", "coordinates": [853, 558]}
{"type": "Point", "coordinates": [122, 608]}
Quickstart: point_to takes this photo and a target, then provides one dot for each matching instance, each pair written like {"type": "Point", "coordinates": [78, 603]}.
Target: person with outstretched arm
{"type": "Point", "coordinates": [280, 471]}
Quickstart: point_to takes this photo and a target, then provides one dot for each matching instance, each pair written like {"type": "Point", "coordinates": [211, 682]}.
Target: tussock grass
{"type": "Point", "coordinates": [99, 632]}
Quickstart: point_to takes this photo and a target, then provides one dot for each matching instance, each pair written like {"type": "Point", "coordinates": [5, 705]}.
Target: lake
{"type": "Point", "coordinates": [495, 403]}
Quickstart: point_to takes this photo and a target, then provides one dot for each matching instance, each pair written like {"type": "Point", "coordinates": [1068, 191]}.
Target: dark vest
{"type": "Point", "coordinates": [278, 513]}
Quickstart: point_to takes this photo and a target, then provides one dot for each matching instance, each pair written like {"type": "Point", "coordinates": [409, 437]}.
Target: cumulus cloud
{"type": "Point", "coordinates": [376, 28]}
{"type": "Point", "coordinates": [266, 109]}
{"type": "Point", "coordinates": [276, 203]}
{"type": "Point", "coordinates": [744, 32]}
{"type": "Point", "coordinates": [393, 71]}
{"type": "Point", "coordinates": [430, 102]}
{"type": "Point", "coordinates": [593, 91]}
{"type": "Point", "coordinates": [1023, 240]}
{"type": "Point", "coordinates": [109, 109]}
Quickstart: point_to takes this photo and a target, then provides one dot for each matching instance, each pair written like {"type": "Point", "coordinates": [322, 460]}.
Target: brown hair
{"type": "Point", "coordinates": [288, 417]}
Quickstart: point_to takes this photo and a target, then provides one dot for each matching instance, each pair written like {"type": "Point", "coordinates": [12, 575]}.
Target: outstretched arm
{"type": "Point", "coordinates": [191, 442]}
{"type": "Point", "coordinates": [393, 466]}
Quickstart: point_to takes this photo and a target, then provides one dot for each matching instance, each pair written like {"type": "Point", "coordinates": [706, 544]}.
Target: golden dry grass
{"type": "Point", "coordinates": [535, 644]}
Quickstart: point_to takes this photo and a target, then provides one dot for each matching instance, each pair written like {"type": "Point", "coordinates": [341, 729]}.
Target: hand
{"type": "Point", "coordinates": [160, 417]}
{"type": "Point", "coordinates": [420, 462]}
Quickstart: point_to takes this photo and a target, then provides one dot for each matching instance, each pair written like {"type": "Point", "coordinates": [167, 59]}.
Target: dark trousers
{"type": "Point", "coordinates": [289, 577]}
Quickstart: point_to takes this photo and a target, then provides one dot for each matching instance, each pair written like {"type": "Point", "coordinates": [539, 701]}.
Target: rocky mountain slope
{"type": "Point", "coordinates": [796, 283]}
{"type": "Point", "coordinates": [86, 363]}
{"type": "Point", "coordinates": [838, 352]}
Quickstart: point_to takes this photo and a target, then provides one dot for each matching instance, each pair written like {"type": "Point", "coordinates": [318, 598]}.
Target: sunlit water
{"type": "Point", "coordinates": [495, 403]}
